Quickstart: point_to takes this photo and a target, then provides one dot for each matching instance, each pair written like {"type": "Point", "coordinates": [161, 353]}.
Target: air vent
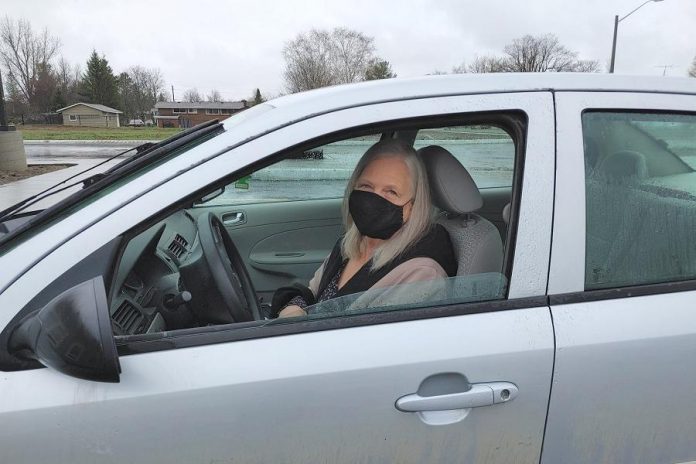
{"type": "Point", "coordinates": [178, 246]}
{"type": "Point", "coordinates": [127, 317]}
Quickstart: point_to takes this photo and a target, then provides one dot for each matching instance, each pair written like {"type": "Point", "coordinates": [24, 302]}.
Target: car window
{"type": "Point", "coordinates": [284, 220]}
{"type": "Point", "coordinates": [640, 198]}
{"type": "Point", "coordinates": [487, 152]}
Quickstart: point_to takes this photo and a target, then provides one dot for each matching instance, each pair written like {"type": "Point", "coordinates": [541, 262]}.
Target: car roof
{"type": "Point", "coordinates": [456, 84]}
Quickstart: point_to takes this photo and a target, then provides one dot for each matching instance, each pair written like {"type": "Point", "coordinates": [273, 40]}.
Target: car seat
{"type": "Point", "coordinates": [477, 244]}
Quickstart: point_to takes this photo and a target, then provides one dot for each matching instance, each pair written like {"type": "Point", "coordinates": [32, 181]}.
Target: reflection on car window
{"type": "Point", "coordinates": [453, 290]}
{"type": "Point", "coordinates": [320, 172]}
{"type": "Point", "coordinates": [487, 152]}
{"type": "Point", "coordinates": [640, 198]}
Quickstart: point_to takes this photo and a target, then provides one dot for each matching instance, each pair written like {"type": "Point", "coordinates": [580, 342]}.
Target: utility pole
{"type": "Point", "coordinates": [3, 119]}
{"type": "Point", "coordinates": [664, 68]}
{"type": "Point", "coordinates": [613, 45]}
{"type": "Point", "coordinates": [173, 99]}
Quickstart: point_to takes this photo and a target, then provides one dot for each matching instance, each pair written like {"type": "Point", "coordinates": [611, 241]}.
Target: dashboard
{"type": "Point", "coordinates": [149, 292]}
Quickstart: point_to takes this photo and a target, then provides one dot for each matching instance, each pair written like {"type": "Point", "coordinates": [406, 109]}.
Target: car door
{"type": "Point", "coordinates": [456, 381]}
{"type": "Point", "coordinates": [622, 280]}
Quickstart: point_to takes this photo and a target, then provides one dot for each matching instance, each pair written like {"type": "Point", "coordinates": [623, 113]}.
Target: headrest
{"type": "Point", "coordinates": [506, 214]}
{"type": "Point", "coordinates": [623, 164]}
{"type": "Point", "coordinates": [451, 184]}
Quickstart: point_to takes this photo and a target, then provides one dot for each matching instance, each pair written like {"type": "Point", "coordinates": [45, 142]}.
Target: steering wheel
{"type": "Point", "coordinates": [227, 270]}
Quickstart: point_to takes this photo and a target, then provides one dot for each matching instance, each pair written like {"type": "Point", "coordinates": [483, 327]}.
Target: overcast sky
{"type": "Point", "coordinates": [235, 46]}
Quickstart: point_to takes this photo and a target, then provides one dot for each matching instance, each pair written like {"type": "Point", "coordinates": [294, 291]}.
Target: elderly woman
{"type": "Point", "coordinates": [390, 238]}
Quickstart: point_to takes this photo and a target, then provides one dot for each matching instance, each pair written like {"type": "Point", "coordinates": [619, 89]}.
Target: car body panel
{"type": "Point", "coordinates": [317, 397]}
{"type": "Point", "coordinates": [350, 378]}
{"type": "Point", "coordinates": [622, 361]}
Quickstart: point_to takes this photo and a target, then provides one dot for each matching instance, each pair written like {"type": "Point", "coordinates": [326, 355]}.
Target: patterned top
{"type": "Point", "coordinates": [329, 292]}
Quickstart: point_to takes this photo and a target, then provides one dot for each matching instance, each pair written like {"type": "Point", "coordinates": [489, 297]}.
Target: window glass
{"type": "Point", "coordinates": [453, 290]}
{"type": "Point", "coordinates": [640, 198]}
{"type": "Point", "coordinates": [321, 172]}
{"type": "Point", "coordinates": [487, 152]}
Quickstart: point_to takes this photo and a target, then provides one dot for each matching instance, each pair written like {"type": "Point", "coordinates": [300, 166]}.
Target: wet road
{"type": "Point", "coordinates": [48, 151]}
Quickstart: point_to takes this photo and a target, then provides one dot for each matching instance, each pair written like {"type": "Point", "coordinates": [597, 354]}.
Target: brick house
{"type": "Point", "coordinates": [189, 114]}
{"type": "Point", "coordinates": [90, 114]}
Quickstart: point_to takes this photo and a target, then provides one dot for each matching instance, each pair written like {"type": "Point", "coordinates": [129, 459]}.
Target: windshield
{"type": "Point", "coordinates": [89, 186]}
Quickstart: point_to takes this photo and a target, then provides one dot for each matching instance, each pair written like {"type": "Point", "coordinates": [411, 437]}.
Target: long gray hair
{"type": "Point", "coordinates": [419, 222]}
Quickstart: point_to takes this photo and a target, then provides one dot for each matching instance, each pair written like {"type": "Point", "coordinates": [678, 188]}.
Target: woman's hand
{"type": "Point", "coordinates": [292, 311]}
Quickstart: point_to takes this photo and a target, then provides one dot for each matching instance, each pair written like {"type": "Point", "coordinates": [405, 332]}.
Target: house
{"type": "Point", "coordinates": [90, 114]}
{"type": "Point", "coordinates": [189, 114]}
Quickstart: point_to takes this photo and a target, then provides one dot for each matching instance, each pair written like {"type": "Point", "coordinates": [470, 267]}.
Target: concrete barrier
{"type": "Point", "coordinates": [12, 155]}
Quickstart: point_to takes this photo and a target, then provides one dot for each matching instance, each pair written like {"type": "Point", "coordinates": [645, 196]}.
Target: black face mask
{"type": "Point", "coordinates": [374, 216]}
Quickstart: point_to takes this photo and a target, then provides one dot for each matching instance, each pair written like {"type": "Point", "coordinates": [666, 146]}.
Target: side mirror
{"type": "Point", "coordinates": [71, 334]}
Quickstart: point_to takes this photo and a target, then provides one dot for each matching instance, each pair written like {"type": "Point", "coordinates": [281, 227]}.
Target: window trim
{"type": "Point", "coordinates": [192, 111]}
{"type": "Point", "coordinates": [179, 110]}
{"type": "Point", "coordinates": [227, 333]}
{"type": "Point", "coordinates": [210, 111]}
{"type": "Point", "coordinates": [513, 121]}
{"type": "Point", "coordinates": [622, 292]}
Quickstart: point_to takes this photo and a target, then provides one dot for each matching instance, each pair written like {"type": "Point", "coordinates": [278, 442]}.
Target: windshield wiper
{"type": "Point", "coordinates": [141, 151]}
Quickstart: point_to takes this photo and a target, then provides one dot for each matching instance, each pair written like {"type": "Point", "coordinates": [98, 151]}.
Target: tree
{"type": "Point", "coordinates": [351, 54]}
{"type": "Point", "coordinates": [258, 98]}
{"type": "Point", "coordinates": [543, 53]}
{"type": "Point", "coordinates": [483, 64]}
{"type": "Point", "coordinates": [320, 58]}
{"type": "Point", "coordinates": [68, 80]}
{"type": "Point", "coordinates": [214, 96]}
{"type": "Point", "coordinates": [146, 86]}
{"type": "Point", "coordinates": [192, 95]}
{"type": "Point", "coordinates": [99, 85]}
{"type": "Point", "coordinates": [45, 86]}
{"type": "Point", "coordinates": [24, 54]}
{"type": "Point", "coordinates": [308, 62]}
{"type": "Point", "coordinates": [378, 69]}
{"type": "Point", "coordinates": [692, 69]}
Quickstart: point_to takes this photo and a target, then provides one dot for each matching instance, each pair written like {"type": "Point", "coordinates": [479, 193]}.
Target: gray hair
{"type": "Point", "coordinates": [418, 224]}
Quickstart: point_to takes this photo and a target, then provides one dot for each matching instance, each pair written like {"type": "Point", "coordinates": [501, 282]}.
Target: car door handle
{"type": "Point", "coordinates": [480, 394]}
{"type": "Point", "coordinates": [234, 219]}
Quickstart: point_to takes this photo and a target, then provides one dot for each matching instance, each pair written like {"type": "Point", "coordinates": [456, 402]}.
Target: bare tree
{"type": "Point", "coordinates": [319, 58]}
{"type": "Point", "coordinates": [692, 69]}
{"type": "Point", "coordinates": [308, 61]}
{"type": "Point", "coordinates": [544, 53]}
{"type": "Point", "coordinates": [214, 96]}
{"type": "Point", "coordinates": [484, 64]}
{"type": "Point", "coordinates": [68, 79]}
{"type": "Point", "coordinates": [351, 54]}
{"type": "Point", "coordinates": [192, 95]}
{"type": "Point", "coordinates": [25, 54]}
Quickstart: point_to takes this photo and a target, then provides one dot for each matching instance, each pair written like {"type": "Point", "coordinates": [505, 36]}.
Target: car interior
{"type": "Point", "coordinates": [219, 259]}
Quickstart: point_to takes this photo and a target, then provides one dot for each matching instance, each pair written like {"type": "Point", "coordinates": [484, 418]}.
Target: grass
{"type": "Point", "coordinates": [57, 132]}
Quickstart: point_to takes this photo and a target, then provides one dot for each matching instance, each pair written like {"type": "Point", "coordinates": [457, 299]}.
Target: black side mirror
{"type": "Point", "coordinates": [71, 334]}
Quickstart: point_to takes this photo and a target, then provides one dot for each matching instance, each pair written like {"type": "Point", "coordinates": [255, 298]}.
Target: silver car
{"type": "Point", "coordinates": [567, 336]}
